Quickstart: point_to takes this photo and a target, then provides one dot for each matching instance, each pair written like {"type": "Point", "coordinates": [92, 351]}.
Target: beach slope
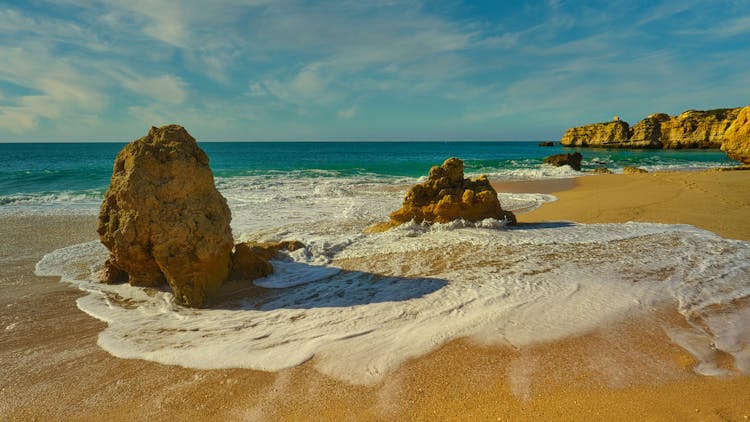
{"type": "Point", "coordinates": [53, 369]}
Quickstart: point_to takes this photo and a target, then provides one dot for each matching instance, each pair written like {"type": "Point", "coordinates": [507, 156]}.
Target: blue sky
{"type": "Point", "coordinates": [361, 70]}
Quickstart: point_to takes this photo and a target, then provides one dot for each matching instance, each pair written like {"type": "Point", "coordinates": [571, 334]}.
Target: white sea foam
{"type": "Point", "coordinates": [654, 164]}
{"type": "Point", "coordinates": [524, 202]}
{"type": "Point", "coordinates": [539, 172]}
{"type": "Point", "coordinates": [361, 304]}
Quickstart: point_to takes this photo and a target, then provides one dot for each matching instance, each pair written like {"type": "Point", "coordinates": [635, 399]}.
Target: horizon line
{"type": "Point", "coordinates": [111, 141]}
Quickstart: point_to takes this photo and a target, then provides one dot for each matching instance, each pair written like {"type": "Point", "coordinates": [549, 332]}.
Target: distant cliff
{"type": "Point", "coordinates": [691, 129]}
{"type": "Point", "coordinates": [598, 134]}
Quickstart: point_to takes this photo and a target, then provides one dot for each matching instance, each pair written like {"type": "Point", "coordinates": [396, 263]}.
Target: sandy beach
{"type": "Point", "coordinates": [630, 370]}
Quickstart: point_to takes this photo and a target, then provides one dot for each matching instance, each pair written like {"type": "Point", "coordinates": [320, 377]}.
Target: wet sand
{"type": "Point", "coordinates": [52, 368]}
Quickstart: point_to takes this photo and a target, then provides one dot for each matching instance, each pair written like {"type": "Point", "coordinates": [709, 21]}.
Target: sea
{"type": "Point", "coordinates": [357, 304]}
{"type": "Point", "coordinates": [72, 177]}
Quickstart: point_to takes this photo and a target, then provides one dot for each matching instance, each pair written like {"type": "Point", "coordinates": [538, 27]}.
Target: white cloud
{"type": "Point", "coordinates": [255, 89]}
{"type": "Point", "coordinates": [347, 113]}
{"type": "Point", "coordinates": [56, 89]}
{"type": "Point", "coordinates": [306, 86]}
{"type": "Point", "coordinates": [666, 10]}
{"type": "Point", "coordinates": [307, 83]}
{"type": "Point", "coordinates": [15, 24]}
{"type": "Point", "coordinates": [306, 61]}
{"type": "Point", "coordinates": [733, 27]}
{"type": "Point", "coordinates": [17, 120]}
{"type": "Point", "coordinates": [165, 88]}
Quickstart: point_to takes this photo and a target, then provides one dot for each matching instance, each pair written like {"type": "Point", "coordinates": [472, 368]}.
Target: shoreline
{"type": "Point", "coordinates": [717, 201]}
{"type": "Point", "coordinates": [57, 371]}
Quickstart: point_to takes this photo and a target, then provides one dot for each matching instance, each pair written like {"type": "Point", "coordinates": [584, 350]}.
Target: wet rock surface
{"type": "Point", "coordinates": [573, 160]}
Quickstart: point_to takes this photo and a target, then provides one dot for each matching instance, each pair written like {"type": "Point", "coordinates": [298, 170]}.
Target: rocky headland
{"type": "Point", "coordinates": [163, 220]}
{"type": "Point", "coordinates": [691, 129]}
{"type": "Point", "coordinates": [446, 196]}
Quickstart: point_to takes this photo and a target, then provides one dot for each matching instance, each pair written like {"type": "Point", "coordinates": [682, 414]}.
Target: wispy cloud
{"type": "Point", "coordinates": [54, 89]}
{"type": "Point", "coordinates": [302, 69]}
{"type": "Point", "coordinates": [347, 113]}
{"type": "Point", "coordinates": [732, 27]}
{"type": "Point", "coordinates": [165, 88]}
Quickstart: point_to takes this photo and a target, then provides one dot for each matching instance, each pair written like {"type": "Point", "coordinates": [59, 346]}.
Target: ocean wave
{"type": "Point", "coordinates": [52, 203]}
{"type": "Point", "coordinates": [347, 292]}
{"type": "Point", "coordinates": [540, 172]}
{"type": "Point", "coordinates": [517, 286]}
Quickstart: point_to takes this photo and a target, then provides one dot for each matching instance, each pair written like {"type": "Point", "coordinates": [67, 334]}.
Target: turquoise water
{"type": "Point", "coordinates": [78, 173]}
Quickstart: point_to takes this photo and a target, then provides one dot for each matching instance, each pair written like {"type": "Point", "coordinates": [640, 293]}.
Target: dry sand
{"type": "Point", "coordinates": [715, 201]}
{"type": "Point", "coordinates": [52, 368]}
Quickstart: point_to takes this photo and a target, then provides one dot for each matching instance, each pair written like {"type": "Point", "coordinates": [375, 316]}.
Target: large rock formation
{"type": "Point", "coordinates": [647, 132]}
{"type": "Point", "coordinates": [611, 133]}
{"type": "Point", "coordinates": [446, 196]}
{"type": "Point", "coordinates": [163, 219]}
{"type": "Point", "coordinates": [697, 129]}
{"type": "Point", "coordinates": [737, 143]}
{"type": "Point", "coordinates": [691, 129]}
{"type": "Point", "coordinates": [573, 160]}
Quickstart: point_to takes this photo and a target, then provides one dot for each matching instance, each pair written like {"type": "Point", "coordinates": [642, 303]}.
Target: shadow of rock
{"type": "Point", "coordinates": [541, 225]}
{"type": "Point", "coordinates": [342, 288]}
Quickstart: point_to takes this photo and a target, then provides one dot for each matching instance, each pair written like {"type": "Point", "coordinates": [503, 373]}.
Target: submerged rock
{"type": "Point", "coordinates": [446, 196]}
{"type": "Point", "coordinates": [546, 144]}
{"type": "Point", "coordinates": [250, 260]}
{"type": "Point", "coordinates": [601, 170]}
{"type": "Point", "coordinates": [163, 219]}
{"type": "Point", "coordinates": [573, 160]}
{"type": "Point", "coordinates": [633, 170]}
{"type": "Point", "coordinates": [737, 143]}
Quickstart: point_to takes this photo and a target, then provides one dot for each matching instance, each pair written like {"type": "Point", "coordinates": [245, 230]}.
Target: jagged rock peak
{"type": "Point", "coordinates": [446, 196]}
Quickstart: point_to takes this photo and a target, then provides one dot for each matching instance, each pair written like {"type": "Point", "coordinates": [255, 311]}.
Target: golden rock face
{"type": "Point", "coordinates": [697, 129]}
{"type": "Point", "coordinates": [737, 143]}
{"type": "Point", "coordinates": [690, 129]}
{"type": "Point", "coordinates": [603, 134]}
{"type": "Point", "coordinates": [446, 196]}
{"type": "Point", "coordinates": [163, 219]}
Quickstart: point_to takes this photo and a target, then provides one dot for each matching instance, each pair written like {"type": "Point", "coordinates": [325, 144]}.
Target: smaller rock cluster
{"type": "Point", "coordinates": [446, 196]}
{"type": "Point", "coordinates": [573, 160]}
{"type": "Point", "coordinates": [250, 259]}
